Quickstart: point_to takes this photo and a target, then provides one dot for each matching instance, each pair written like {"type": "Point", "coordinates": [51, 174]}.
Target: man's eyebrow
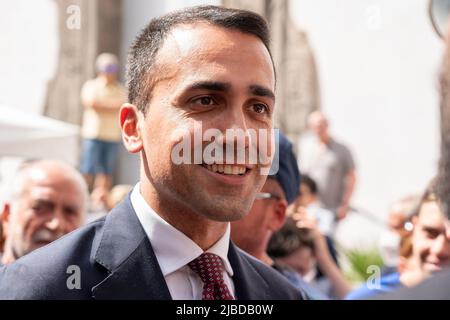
{"type": "Point", "coordinates": [43, 202]}
{"type": "Point", "coordinates": [256, 90]}
{"type": "Point", "coordinates": [210, 85]}
{"type": "Point", "coordinates": [432, 228]}
{"type": "Point", "coordinates": [72, 207]}
{"type": "Point", "coordinates": [262, 92]}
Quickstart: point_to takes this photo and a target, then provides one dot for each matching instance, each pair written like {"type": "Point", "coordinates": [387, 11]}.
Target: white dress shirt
{"type": "Point", "coordinates": [174, 250]}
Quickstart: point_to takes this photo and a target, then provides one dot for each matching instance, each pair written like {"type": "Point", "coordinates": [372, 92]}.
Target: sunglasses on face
{"type": "Point", "coordinates": [266, 195]}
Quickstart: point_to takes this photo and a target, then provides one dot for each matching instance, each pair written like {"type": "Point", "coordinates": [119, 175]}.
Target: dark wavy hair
{"type": "Point", "coordinates": [288, 239]}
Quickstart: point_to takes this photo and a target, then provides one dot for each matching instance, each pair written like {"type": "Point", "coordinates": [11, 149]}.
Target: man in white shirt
{"type": "Point", "coordinates": [174, 250]}
{"type": "Point", "coordinates": [207, 67]}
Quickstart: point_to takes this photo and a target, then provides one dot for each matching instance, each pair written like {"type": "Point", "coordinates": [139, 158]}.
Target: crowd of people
{"type": "Point", "coordinates": [158, 235]}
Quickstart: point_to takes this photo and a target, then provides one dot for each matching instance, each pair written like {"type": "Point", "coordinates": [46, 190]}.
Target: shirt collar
{"type": "Point", "coordinates": [172, 248]}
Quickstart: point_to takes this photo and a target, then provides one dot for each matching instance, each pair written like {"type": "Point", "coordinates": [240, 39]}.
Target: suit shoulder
{"type": "Point", "coordinates": [44, 273]}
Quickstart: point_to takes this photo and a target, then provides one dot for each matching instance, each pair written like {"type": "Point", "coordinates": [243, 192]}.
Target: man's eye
{"type": "Point", "coordinates": [260, 108]}
{"type": "Point", "coordinates": [70, 212]}
{"type": "Point", "coordinates": [39, 209]}
{"type": "Point", "coordinates": [432, 234]}
{"type": "Point", "coordinates": [204, 101]}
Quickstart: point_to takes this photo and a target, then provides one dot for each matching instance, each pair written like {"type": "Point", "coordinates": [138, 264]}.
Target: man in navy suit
{"type": "Point", "coordinates": [203, 67]}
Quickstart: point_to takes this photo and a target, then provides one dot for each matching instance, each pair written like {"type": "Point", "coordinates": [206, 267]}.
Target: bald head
{"type": "Point", "coordinates": [318, 123]}
{"type": "Point", "coordinates": [48, 199]}
{"type": "Point", "coordinates": [51, 173]}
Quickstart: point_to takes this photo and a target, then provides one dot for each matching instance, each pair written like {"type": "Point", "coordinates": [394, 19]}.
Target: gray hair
{"type": "Point", "coordinates": [17, 184]}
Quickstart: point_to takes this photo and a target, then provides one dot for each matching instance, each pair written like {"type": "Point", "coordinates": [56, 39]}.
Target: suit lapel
{"type": "Point", "coordinates": [248, 283]}
{"type": "Point", "coordinates": [127, 254]}
{"type": "Point", "coordinates": [134, 272]}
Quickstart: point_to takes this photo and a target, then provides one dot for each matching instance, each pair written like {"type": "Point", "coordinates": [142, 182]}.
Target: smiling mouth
{"type": "Point", "coordinates": [226, 169]}
{"type": "Point", "coordinates": [437, 266]}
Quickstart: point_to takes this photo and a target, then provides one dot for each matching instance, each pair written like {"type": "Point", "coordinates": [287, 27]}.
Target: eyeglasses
{"type": "Point", "coordinates": [439, 11]}
{"type": "Point", "coordinates": [266, 195]}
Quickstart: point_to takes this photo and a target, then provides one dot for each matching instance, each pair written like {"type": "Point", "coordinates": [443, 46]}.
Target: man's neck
{"type": "Point", "coordinates": [204, 232]}
{"type": "Point", "coordinates": [106, 80]}
{"type": "Point", "coordinates": [257, 252]}
{"type": "Point", "coordinates": [266, 259]}
{"type": "Point", "coordinates": [8, 256]}
{"type": "Point", "coordinates": [324, 139]}
{"type": "Point", "coordinates": [263, 256]}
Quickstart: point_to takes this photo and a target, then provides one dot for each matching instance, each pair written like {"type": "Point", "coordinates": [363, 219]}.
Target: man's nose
{"type": "Point", "coordinates": [57, 221]}
{"type": "Point", "coordinates": [53, 224]}
{"type": "Point", "coordinates": [447, 229]}
{"type": "Point", "coordinates": [237, 124]}
{"type": "Point", "coordinates": [236, 118]}
{"type": "Point", "coordinates": [441, 246]}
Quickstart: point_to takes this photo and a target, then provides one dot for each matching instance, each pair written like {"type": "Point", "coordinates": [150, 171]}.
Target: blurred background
{"type": "Point", "coordinates": [370, 65]}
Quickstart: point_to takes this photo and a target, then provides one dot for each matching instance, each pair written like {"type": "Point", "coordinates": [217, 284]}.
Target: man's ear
{"type": "Point", "coordinates": [4, 219]}
{"type": "Point", "coordinates": [4, 212]}
{"type": "Point", "coordinates": [130, 121]}
{"type": "Point", "coordinates": [279, 215]}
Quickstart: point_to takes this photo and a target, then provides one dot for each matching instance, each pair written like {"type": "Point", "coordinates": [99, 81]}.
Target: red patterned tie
{"type": "Point", "coordinates": [209, 267]}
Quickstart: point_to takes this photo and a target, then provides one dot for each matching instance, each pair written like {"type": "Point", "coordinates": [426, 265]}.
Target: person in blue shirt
{"type": "Point", "coordinates": [425, 252]}
{"type": "Point", "coordinates": [385, 284]}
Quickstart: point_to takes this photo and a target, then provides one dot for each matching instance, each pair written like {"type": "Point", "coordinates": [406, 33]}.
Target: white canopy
{"type": "Point", "coordinates": [28, 135]}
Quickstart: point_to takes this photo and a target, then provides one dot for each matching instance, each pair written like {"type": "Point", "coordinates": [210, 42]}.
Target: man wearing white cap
{"type": "Point", "coordinates": [101, 98]}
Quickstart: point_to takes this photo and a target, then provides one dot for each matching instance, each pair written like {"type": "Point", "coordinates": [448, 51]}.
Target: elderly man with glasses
{"type": "Point", "coordinates": [267, 215]}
